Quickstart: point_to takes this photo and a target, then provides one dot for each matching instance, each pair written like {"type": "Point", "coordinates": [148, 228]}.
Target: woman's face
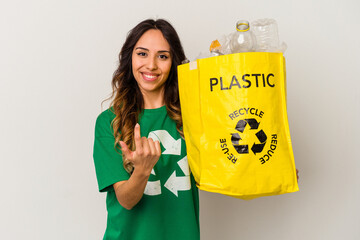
{"type": "Point", "coordinates": [151, 62]}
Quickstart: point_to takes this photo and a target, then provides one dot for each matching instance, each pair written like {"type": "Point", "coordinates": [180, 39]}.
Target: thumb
{"type": "Point", "coordinates": [126, 151]}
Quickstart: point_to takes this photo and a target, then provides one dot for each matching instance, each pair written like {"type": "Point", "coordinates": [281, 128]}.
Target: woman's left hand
{"type": "Point", "coordinates": [297, 174]}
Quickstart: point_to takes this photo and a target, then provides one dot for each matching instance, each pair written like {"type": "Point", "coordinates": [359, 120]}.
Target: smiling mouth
{"type": "Point", "coordinates": [149, 77]}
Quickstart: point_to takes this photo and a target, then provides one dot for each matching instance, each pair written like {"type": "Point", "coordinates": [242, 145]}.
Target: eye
{"type": "Point", "coordinates": [163, 56]}
{"type": "Point", "coordinates": [141, 54]}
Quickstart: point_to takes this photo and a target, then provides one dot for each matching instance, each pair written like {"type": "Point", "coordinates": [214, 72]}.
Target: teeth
{"type": "Point", "coordinates": [150, 76]}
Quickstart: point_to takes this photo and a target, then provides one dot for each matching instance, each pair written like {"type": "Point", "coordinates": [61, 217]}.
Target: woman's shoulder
{"type": "Point", "coordinates": [103, 121]}
{"type": "Point", "coordinates": [107, 115]}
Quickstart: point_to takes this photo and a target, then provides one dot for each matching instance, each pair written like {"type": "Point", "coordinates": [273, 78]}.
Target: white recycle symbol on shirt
{"type": "Point", "coordinates": [173, 183]}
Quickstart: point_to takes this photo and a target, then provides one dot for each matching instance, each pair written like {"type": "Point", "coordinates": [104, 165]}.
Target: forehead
{"type": "Point", "coordinates": [153, 39]}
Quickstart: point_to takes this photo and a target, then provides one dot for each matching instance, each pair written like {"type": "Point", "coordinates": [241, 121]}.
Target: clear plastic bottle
{"type": "Point", "coordinates": [267, 37]}
{"type": "Point", "coordinates": [243, 40]}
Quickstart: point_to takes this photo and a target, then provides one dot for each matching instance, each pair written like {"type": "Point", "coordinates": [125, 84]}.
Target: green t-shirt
{"type": "Point", "coordinates": [169, 208]}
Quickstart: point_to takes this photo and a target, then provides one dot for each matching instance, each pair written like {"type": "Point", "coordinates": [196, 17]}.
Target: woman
{"type": "Point", "coordinates": [139, 153]}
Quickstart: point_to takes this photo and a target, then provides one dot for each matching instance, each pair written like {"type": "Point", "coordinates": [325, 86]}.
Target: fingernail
{"type": "Point", "coordinates": [137, 125]}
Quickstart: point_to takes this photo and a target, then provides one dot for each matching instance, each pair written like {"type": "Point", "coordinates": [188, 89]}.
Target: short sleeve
{"type": "Point", "coordinates": [108, 161]}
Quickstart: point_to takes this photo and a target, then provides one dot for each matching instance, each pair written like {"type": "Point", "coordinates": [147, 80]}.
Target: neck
{"type": "Point", "coordinates": [153, 100]}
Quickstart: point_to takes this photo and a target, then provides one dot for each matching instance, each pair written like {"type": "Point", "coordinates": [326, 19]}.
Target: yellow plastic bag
{"type": "Point", "coordinates": [235, 124]}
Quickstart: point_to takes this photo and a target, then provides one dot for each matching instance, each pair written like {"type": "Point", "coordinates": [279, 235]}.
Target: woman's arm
{"type": "Point", "coordinates": [129, 193]}
{"type": "Point", "coordinates": [144, 158]}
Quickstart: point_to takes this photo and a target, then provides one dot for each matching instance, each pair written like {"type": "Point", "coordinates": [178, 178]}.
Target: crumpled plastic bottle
{"type": "Point", "coordinates": [215, 48]}
{"type": "Point", "coordinates": [224, 41]}
{"type": "Point", "coordinates": [267, 37]}
{"type": "Point", "coordinates": [243, 40]}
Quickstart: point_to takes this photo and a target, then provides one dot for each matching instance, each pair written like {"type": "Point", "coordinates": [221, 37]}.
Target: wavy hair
{"type": "Point", "coordinates": [128, 101]}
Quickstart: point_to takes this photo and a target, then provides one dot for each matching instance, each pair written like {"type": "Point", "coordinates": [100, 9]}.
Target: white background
{"type": "Point", "coordinates": [57, 60]}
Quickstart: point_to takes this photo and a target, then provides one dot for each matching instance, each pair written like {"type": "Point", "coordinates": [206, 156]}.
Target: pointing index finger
{"type": "Point", "coordinates": [137, 137]}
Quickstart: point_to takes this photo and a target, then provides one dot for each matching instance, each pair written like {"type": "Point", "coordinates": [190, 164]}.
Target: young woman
{"type": "Point", "coordinates": [139, 153]}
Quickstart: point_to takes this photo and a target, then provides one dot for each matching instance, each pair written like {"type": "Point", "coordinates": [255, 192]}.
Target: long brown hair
{"type": "Point", "coordinates": [128, 101]}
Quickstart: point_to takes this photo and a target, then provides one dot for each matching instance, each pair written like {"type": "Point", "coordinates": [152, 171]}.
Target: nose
{"type": "Point", "coordinates": [152, 63]}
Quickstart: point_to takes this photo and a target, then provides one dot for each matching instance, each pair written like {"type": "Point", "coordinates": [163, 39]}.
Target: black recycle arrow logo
{"type": "Point", "coordinates": [243, 148]}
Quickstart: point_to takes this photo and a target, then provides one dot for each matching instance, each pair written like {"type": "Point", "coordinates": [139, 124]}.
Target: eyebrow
{"type": "Point", "coordinates": [145, 49]}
